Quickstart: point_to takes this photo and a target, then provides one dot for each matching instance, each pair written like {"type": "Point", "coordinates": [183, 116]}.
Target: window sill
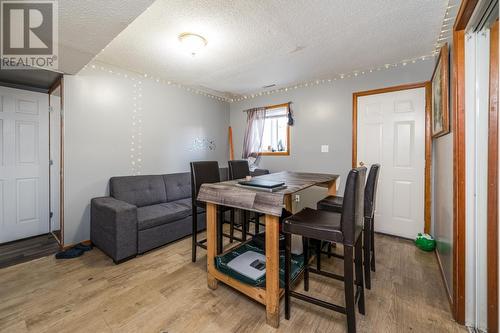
{"type": "Point", "coordinates": [275, 153]}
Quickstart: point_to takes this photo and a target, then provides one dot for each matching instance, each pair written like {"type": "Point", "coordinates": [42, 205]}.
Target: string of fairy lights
{"type": "Point", "coordinates": [136, 138]}
{"type": "Point", "coordinates": [136, 153]}
{"type": "Point", "coordinates": [331, 80]}
{"type": "Point", "coordinates": [443, 37]}
{"type": "Point", "coordinates": [137, 77]}
{"type": "Point", "coordinates": [134, 76]}
{"type": "Point", "coordinates": [447, 26]}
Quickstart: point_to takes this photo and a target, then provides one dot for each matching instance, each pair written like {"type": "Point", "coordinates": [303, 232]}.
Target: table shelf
{"type": "Point", "coordinates": [222, 260]}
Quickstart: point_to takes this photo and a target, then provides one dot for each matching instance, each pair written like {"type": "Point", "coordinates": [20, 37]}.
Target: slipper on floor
{"type": "Point", "coordinates": [83, 247]}
{"type": "Point", "coordinates": [69, 254]}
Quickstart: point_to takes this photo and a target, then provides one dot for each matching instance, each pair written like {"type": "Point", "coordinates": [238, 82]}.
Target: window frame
{"type": "Point", "coordinates": [279, 153]}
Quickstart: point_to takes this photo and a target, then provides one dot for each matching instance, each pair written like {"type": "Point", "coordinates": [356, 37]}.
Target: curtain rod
{"type": "Point", "coordinates": [273, 106]}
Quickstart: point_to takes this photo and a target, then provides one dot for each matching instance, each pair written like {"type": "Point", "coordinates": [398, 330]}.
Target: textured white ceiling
{"type": "Point", "coordinates": [256, 43]}
{"type": "Point", "coordinates": [87, 26]}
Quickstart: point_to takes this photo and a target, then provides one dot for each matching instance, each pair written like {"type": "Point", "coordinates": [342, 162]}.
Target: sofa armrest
{"type": "Point", "coordinates": [113, 227]}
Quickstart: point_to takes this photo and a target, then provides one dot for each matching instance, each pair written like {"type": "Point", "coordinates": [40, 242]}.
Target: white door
{"type": "Point", "coordinates": [24, 164]}
{"type": "Point", "coordinates": [391, 131]}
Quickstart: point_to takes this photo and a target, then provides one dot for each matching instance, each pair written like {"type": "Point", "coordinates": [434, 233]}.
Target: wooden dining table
{"type": "Point", "coordinates": [269, 203]}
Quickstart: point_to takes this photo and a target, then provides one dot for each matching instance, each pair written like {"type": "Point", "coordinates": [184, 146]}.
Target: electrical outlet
{"type": "Point", "coordinates": [297, 198]}
{"type": "Point", "coordinates": [324, 148]}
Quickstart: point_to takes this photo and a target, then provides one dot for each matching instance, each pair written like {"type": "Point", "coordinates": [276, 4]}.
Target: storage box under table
{"type": "Point", "coordinates": [221, 263]}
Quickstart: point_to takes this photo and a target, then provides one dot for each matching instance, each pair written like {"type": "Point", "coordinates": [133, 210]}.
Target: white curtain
{"type": "Point", "coordinates": [252, 143]}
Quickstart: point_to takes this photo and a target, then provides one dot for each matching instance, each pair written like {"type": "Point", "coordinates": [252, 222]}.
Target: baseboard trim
{"type": "Point", "coordinates": [443, 278]}
{"type": "Point", "coordinates": [395, 236]}
{"type": "Point", "coordinates": [85, 242]}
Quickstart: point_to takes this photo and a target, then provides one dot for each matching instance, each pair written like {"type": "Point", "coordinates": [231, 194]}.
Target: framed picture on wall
{"type": "Point", "coordinates": [440, 94]}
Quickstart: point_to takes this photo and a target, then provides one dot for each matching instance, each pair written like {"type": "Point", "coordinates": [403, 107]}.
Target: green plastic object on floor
{"type": "Point", "coordinates": [425, 242]}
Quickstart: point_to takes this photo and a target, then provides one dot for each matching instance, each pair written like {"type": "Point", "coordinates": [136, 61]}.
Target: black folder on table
{"type": "Point", "coordinates": [261, 183]}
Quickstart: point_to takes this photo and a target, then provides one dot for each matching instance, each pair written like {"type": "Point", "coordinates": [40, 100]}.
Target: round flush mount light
{"type": "Point", "coordinates": [193, 43]}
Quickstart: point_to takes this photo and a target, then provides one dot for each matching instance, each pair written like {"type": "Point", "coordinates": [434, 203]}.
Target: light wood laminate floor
{"type": "Point", "coordinates": [162, 291]}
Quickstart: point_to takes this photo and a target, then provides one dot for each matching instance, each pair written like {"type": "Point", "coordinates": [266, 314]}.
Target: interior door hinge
{"type": "Point", "coordinates": [51, 109]}
{"type": "Point", "coordinates": [51, 162]}
{"type": "Point", "coordinates": [51, 214]}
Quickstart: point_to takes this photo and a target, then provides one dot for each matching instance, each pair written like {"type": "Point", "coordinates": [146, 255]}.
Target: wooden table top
{"type": "Point", "coordinates": [230, 194]}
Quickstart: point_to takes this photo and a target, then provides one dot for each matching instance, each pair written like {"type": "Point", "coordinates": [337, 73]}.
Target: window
{"type": "Point", "coordinates": [276, 137]}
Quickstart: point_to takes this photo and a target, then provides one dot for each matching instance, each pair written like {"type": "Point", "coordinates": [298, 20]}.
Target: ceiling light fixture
{"type": "Point", "coordinates": [193, 43]}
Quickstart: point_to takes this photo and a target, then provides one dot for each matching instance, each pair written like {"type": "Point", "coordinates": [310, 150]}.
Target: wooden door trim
{"type": "Point", "coordinates": [492, 240]}
{"type": "Point", "coordinates": [465, 12]}
{"type": "Point", "coordinates": [61, 161]}
{"type": "Point", "coordinates": [428, 137]}
{"type": "Point", "coordinates": [459, 185]}
{"type": "Point", "coordinates": [59, 83]}
{"type": "Point", "coordinates": [428, 157]}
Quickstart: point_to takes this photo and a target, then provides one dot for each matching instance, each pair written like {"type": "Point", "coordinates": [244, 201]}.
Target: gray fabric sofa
{"type": "Point", "coordinates": [142, 213]}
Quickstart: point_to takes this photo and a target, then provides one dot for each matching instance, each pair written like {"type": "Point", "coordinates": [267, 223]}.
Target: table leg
{"type": "Point", "coordinates": [332, 187]}
{"type": "Point", "coordinates": [272, 271]}
{"type": "Point", "coordinates": [211, 216]}
{"type": "Point", "coordinates": [288, 203]}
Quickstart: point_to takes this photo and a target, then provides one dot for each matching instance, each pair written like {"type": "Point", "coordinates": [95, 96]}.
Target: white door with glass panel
{"type": "Point", "coordinates": [24, 164]}
{"type": "Point", "coordinates": [391, 131]}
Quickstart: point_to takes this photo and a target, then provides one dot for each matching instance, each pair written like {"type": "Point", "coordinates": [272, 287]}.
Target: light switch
{"type": "Point", "coordinates": [324, 148]}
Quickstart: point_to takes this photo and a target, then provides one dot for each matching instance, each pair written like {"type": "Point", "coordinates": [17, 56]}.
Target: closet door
{"type": "Point", "coordinates": [24, 164]}
{"type": "Point", "coordinates": [391, 132]}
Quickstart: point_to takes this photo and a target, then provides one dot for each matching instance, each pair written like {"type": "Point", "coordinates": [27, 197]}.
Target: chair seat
{"type": "Point", "coordinates": [315, 224]}
{"type": "Point", "coordinates": [331, 203]}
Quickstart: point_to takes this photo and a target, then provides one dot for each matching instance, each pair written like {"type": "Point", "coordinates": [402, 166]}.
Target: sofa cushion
{"type": "Point", "coordinates": [155, 215]}
{"type": "Point", "coordinates": [139, 190]}
{"type": "Point", "coordinates": [187, 202]}
{"type": "Point", "coordinates": [178, 186]}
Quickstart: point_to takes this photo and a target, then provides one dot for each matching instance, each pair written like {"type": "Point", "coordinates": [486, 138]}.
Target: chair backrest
{"type": "Point", "coordinates": [203, 172]}
{"type": "Point", "coordinates": [224, 174]}
{"type": "Point", "coordinates": [238, 169]}
{"type": "Point", "coordinates": [352, 207]}
{"type": "Point", "coordinates": [371, 190]}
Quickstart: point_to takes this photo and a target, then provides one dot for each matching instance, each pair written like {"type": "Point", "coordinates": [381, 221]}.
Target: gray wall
{"type": "Point", "coordinates": [99, 124]}
{"type": "Point", "coordinates": [323, 115]}
{"type": "Point", "coordinates": [442, 190]}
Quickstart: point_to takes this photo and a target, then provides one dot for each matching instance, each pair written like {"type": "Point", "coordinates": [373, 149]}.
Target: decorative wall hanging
{"type": "Point", "coordinates": [203, 144]}
{"type": "Point", "coordinates": [440, 95]}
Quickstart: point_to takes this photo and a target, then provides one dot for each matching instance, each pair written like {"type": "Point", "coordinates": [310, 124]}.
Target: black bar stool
{"type": "Point", "coordinates": [334, 204]}
{"type": "Point", "coordinates": [239, 169]}
{"type": "Point", "coordinates": [205, 172]}
{"type": "Point", "coordinates": [344, 228]}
